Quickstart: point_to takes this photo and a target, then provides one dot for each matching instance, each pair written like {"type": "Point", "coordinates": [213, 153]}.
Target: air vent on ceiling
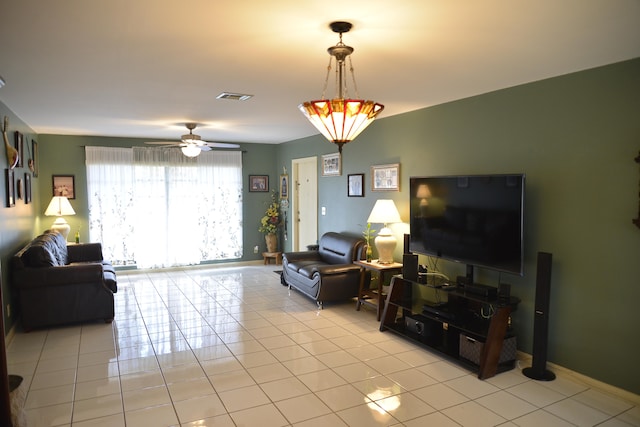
{"type": "Point", "coordinates": [234, 96]}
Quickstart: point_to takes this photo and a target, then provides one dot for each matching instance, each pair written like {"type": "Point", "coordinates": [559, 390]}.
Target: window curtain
{"type": "Point", "coordinates": [154, 207]}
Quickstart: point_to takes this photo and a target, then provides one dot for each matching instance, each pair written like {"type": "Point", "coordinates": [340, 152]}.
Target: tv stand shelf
{"type": "Point", "coordinates": [442, 325]}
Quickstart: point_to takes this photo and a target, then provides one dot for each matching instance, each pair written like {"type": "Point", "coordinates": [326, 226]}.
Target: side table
{"type": "Point", "coordinates": [365, 291]}
{"type": "Point", "coordinates": [268, 256]}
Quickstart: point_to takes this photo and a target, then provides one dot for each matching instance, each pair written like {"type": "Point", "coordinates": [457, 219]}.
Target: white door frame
{"type": "Point", "coordinates": [304, 202]}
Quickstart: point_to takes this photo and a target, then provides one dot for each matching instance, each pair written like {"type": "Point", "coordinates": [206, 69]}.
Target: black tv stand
{"type": "Point", "coordinates": [447, 327]}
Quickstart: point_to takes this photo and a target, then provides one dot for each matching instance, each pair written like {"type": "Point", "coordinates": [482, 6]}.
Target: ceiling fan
{"type": "Point", "coordinates": [192, 144]}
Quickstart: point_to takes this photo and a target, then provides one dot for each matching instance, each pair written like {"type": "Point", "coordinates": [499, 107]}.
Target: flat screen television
{"type": "Point", "coordinates": [473, 219]}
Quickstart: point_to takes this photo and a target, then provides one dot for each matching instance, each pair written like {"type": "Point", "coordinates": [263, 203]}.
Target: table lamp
{"type": "Point", "coordinates": [60, 206]}
{"type": "Point", "coordinates": [385, 212]}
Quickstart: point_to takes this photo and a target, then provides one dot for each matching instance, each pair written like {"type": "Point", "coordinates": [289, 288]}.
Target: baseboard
{"type": "Point", "coordinates": [9, 337]}
{"type": "Point", "coordinates": [525, 360]}
{"type": "Point", "coordinates": [194, 267]}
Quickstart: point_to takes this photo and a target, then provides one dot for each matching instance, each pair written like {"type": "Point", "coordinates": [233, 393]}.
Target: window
{"type": "Point", "coordinates": [154, 207]}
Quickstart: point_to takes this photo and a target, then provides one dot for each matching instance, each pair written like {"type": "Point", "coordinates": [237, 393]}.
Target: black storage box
{"type": "Point", "coordinates": [470, 349]}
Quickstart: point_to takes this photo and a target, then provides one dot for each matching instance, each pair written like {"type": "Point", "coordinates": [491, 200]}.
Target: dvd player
{"type": "Point", "coordinates": [477, 288]}
{"type": "Point", "coordinates": [437, 311]}
{"type": "Point", "coordinates": [481, 290]}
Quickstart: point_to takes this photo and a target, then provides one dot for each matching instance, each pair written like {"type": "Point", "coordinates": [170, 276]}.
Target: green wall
{"type": "Point", "coordinates": [575, 137]}
{"type": "Point", "coordinates": [65, 156]}
{"type": "Point", "coordinates": [17, 224]}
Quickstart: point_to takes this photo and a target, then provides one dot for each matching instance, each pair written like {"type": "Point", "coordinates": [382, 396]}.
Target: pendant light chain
{"type": "Point", "coordinates": [353, 77]}
{"type": "Point", "coordinates": [326, 79]}
{"type": "Point", "coordinates": [342, 118]}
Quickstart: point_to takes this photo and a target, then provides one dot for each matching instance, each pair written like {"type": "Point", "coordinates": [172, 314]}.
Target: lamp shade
{"type": "Point", "coordinates": [59, 206]}
{"type": "Point", "coordinates": [384, 212]}
{"type": "Point", "coordinates": [341, 120]}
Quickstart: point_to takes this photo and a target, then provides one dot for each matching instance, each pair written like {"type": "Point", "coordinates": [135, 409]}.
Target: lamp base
{"type": "Point", "coordinates": [61, 226]}
{"type": "Point", "coordinates": [385, 244]}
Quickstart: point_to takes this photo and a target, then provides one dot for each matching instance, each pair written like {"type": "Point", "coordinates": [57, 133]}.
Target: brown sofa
{"type": "Point", "coordinates": [59, 284]}
{"type": "Point", "coordinates": [326, 274]}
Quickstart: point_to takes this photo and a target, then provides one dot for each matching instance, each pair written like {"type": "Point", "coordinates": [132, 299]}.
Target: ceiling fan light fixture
{"type": "Point", "coordinates": [340, 119]}
{"type": "Point", "coordinates": [191, 138]}
{"type": "Point", "coordinates": [190, 150]}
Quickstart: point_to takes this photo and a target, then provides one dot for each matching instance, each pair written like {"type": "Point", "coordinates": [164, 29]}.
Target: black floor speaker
{"type": "Point", "coordinates": [538, 369]}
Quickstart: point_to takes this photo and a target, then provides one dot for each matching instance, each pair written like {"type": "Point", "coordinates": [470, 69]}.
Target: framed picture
{"type": "Point", "coordinates": [258, 183]}
{"type": "Point", "coordinates": [284, 187]}
{"type": "Point", "coordinates": [34, 151]}
{"type": "Point", "coordinates": [27, 188]}
{"type": "Point", "coordinates": [20, 149]}
{"type": "Point", "coordinates": [355, 185]}
{"type": "Point", "coordinates": [385, 177]}
{"type": "Point", "coordinates": [331, 165]}
{"type": "Point", "coordinates": [64, 185]}
{"type": "Point", "coordinates": [19, 189]}
{"type": "Point", "coordinates": [9, 186]}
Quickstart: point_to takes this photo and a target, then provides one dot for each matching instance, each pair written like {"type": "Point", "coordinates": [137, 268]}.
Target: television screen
{"type": "Point", "coordinates": [477, 220]}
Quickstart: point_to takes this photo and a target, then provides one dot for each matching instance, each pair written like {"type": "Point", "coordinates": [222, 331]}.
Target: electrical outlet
{"type": "Point", "coordinates": [324, 210]}
{"type": "Point", "coordinates": [8, 310]}
{"type": "Point", "coordinates": [255, 249]}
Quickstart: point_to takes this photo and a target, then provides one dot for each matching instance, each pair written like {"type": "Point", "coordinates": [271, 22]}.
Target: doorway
{"type": "Point", "coordinates": [304, 203]}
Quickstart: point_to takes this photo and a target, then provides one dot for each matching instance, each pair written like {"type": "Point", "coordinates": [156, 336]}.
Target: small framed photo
{"type": "Point", "coordinates": [20, 149]}
{"type": "Point", "coordinates": [355, 185]}
{"type": "Point", "coordinates": [9, 188]}
{"type": "Point", "coordinates": [64, 185]}
{"type": "Point", "coordinates": [34, 153]}
{"type": "Point", "coordinates": [331, 165]}
{"type": "Point", "coordinates": [258, 183]}
{"type": "Point", "coordinates": [385, 177]}
{"type": "Point", "coordinates": [27, 188]}
{"type": "Point", "coordinates": [284, 187]}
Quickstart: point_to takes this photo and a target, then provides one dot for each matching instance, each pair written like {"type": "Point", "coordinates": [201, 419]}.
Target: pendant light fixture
{"type": "Point", "coordinates": [342, 118]}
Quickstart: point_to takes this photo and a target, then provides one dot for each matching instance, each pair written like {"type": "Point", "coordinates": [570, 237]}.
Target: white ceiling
{"type": "Point", "coordinates": [137, 68]}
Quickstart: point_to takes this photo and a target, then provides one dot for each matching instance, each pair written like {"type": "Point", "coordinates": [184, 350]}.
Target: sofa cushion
{"type": "Point", "coordinates": [336, 248]}
{"type": "Point", "coordinates": [47, 250]}
{"type": "Point", "coordinates": [306, 268]}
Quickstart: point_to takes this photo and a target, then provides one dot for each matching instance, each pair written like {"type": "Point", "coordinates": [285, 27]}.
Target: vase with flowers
{"type": "Point", "coordinates": [270, 223]}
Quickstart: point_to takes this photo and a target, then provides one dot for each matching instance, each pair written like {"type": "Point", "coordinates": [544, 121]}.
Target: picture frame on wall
{"type": "Point", "coordinates": [64, 185]}
{"type": "Point", "coordinates": [355, 185]}
{"type": "Point", "coordinates": [9, 188]}
{"type": "Point", "coordinates": [27, 188]}
{"type": "Point", "coordinates": [34, 151]}
{"type": "Point", "coordinates": [385, 177]}
{"type": "Point", "coordinates": [258, 183]}
{"type": "Point", "coordinates": [20, 148]}
{"type": "Point", "coordinates": [284, 187]}
{"type": "Point", "coordinates": [331, 164]}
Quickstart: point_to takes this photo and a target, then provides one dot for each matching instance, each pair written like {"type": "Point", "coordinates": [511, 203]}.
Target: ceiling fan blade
{"type": "Point", "coordinates": [221, 145]}
{"type": "Point", "coordinates": [163, 143]}
{"type": "Point", "coordinates": [204, 148]}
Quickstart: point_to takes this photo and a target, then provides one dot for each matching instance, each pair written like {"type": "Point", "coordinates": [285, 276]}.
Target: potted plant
{"type": "Point", "coordinates": [270, 223]}
{"type": "Point", "coordinates": [368, 233]}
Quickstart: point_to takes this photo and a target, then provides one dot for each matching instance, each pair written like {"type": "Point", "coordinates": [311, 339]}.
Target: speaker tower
{"type": "Point", "coordinates": [538, 369]}
{"type": "Point", "coordinates": [409, 262]}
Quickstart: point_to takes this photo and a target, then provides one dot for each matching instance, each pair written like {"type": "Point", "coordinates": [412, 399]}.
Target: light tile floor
{"type": "Point", "coordinates": [230, 346]}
